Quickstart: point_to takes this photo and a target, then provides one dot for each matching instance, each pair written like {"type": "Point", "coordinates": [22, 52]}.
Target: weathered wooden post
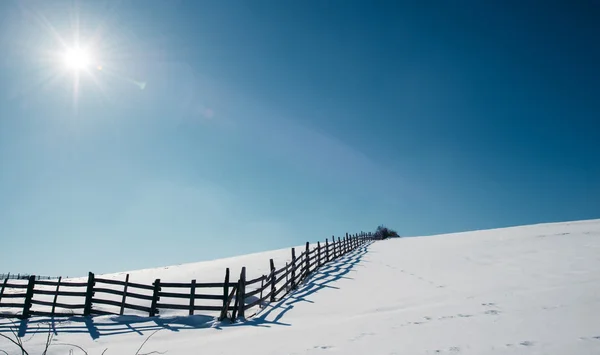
{"type": "Point", "coordinates": [242, 293]}
{"type": "Point", "coordinates": [155, 298]}
{"type": "Point", "coordinates": [306, 261]}
{"type": "Point", "coordinates": [89, 294]}
{"type": "Point", "coordinates": [225, 295]}
{"type": "Point", "coordinates": [339, 247]}
{"type": "Point", "coordinates": [124, 294]}
{"type": "Point", "coordinates": [273, 279]}
{"type": "Point", "coordinates": [293, 286]}
{"type": "Point", "coordinates": [192, 297]}
{"type": "Point", "coordinates": [55, 296]}
{"type": "Point", "coordinates": [327, 250]}
{"type": "Point", "coordinates": [3, 287]}
{"type": "Point", "coordinates": [333, 247]}
{"type": "Point", "coordinates": [28, 297]}
{"type": "Point", "coordinates": [318, 254]}
{"type": "Point", "coordinates": [346, 243]}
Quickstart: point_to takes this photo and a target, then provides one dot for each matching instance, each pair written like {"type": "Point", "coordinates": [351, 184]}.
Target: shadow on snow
{"type": "Point", "coordinates": [271, 314]}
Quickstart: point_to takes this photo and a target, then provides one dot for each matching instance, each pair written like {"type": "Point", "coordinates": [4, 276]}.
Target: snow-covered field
{"type": "Point", "coordinates": [522, 290]}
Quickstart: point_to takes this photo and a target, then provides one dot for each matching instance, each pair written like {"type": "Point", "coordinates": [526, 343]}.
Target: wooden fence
{"type": "Point", "coordinates": [25, 277]}
{"type": "Point", "coordinates": [99, 296]}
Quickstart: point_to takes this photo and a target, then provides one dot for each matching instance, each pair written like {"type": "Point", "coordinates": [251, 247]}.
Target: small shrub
{"type": "Point", "coordinates": [383, 232]}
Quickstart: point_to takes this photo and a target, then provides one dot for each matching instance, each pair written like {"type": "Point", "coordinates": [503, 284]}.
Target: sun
{"type": "Point", "coordinates": [77, 59]}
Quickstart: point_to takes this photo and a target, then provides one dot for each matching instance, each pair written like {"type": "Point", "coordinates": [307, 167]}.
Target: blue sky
{"type": "Point", "coordinates": [227, 127]}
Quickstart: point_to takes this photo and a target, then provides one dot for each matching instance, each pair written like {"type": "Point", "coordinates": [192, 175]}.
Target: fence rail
{"type": "Point", "coordinates": [100, 296]}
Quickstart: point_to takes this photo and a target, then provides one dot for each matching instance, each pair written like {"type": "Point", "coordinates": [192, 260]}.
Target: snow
{"type": "Point", "coordinates": [521, 290]}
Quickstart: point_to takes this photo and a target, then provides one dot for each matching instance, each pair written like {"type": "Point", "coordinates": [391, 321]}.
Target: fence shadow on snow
{"type": "Point", "coordinates": [321, 279]}
{"type": "Point", "coordinates": [311, 271]}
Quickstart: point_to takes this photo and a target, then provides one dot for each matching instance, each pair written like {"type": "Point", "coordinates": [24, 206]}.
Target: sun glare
{"type": "Point", "coordinates": [77, 59]}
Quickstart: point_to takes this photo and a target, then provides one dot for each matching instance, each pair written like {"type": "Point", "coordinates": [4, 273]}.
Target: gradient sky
{"type": "Point", "coordinates": [228, 127]}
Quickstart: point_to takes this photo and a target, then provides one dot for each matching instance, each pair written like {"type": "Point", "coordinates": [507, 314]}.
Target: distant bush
{"type": "Point", "coordinates": [383, 232]}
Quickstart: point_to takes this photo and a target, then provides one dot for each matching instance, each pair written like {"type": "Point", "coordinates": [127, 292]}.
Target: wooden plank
{"type": "Point", "coordinates": [60, 293]}
{"type": "Point", "coordinates": [47, 283]}
{"type": "Point", "coordinates": [124, 294]}
{"type": "Point", "coordinates": [118, 304]}
{"type": "Point", "coordinates": [192, 298]}
{"type": "Point", "coordinates": [11, 285]}
{"type": "Point", "coordinates": [122, 283]}
{"type": "Point", "coordinates": [200, 296]}
{"type": "Point", "coordinates": [107, 302]}
{"type": "Point", "coordinates": [50, 314]}
{"type": "Point", "coordinates": [137, 307]}
{"type": "Point", "coordinates": [63, 283]}
{"type": "Point", "coordinates": [326, 250]}
{"type": "Point", "coordinates": [15, 295]}
{"type": "Point", "coordinates": [109, 290]}
{"type": "Point", "coordinates": [277, 272]}
{"type": "Point", "coordinates": [173, 294]}
{"type": "Point", "coordinates": [142, 286]}
{"type": "Point", "coordinates": [175, 284]}
{"type": "Point", "coordinates": [139, 296]}
{"type": "Point", "coordinates": [11, 305]}
{"type": "Point", "coordinates": [59, 305]}
{"type": "Point", "coordinates": [111, 282]}
{"type": "Point", "coordinates": [56, 295]}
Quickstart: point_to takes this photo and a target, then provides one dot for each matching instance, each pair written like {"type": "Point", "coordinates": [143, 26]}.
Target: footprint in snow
{"type": "Point", "coordinates": [526, 343]}
{"type": "Point", "coordinates": [492, 312]}
{"type": "Point", "coordinates": [322, 347]}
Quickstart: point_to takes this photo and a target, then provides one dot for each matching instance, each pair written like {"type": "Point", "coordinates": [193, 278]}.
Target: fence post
{"type": "Point", "coordinates": [155, 298]}
{"type": "Point", "coordinates": [346, 244]}
{"type": "Point", "coordinates": [28, 297]}
{"type": "Point", "coordinates": [293, 285]}
{"type": "Point", "coordinates": [273, 279]}
{"type": "Point", "coordinates": [124, 294]}
{"type": "Point", "coordinates": [2, 289]}
{"type": "Point", "coordinates": [326, 250]}
{"type": "Point", "coordinates": [192, 296]}
{"type": "Point", "coordinates": [242, 293]}
{"type": "Point", "coordinates": [89, 293]}
{"type": "Point", "coordinates": [339, 243]}
{"type": "Point", "coordinates": [306, 261]}
{"type": "Point", "coordinates": [55, 296]}
{"type": "Point", "coordinates": [318, 254]}
{"type": "Point", "coordinates": [225, 295]}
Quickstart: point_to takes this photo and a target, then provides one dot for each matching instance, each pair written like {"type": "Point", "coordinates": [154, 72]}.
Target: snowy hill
{"type": "Point", "coordinates": [521, 290]}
